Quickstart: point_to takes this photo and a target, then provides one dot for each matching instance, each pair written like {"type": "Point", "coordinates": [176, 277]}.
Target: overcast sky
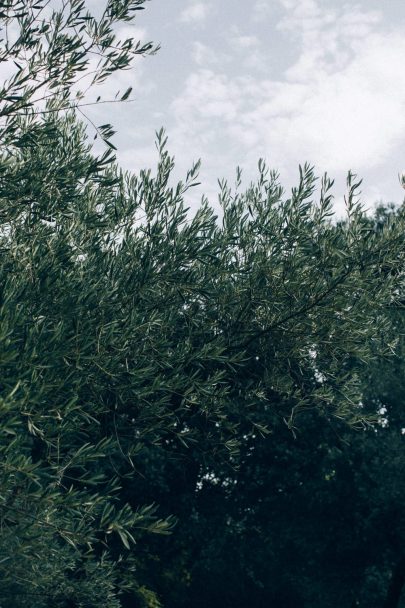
{"type": "Point", "coordinates": [288, 80]}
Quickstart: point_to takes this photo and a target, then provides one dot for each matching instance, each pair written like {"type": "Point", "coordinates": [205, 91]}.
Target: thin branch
{"type": "Point", "coordinates": [297, 313]}
{"type": "Point", "coordinates": [71, 107]}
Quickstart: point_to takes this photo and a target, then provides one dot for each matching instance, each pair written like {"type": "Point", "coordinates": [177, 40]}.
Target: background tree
{"type": "Point", "coordinates": [306, 518]}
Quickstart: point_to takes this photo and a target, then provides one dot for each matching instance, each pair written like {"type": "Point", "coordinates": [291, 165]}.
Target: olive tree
{"type": "Point", "coordinates": [138, 341]}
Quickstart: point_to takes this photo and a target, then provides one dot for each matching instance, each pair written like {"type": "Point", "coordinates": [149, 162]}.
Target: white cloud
{"type": "Point", "coordinates": [243, 42]}
{"type": "Point", "coordinates": [261, 10]}
{"type": "Point", "coordinates": [138, 157]}
{"type": "Point", "coordinates": [131, 31]}
{"type": "Point", "coordinates": [206, 56]}
{"type": "Point", "coordinates": [207, 95]}
{"type": "Point", "coordinates": [328, 38]}
{"type": "Point", "coordinates": [340, 105]}
{"type": "Point", "coordinates": [195, 13]}
{"type": "Point", "coordinates": [246, 50]}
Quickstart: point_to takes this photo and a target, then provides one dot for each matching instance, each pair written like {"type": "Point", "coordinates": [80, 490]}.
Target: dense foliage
{"type": "Point", "coordinates": [156, 364]}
